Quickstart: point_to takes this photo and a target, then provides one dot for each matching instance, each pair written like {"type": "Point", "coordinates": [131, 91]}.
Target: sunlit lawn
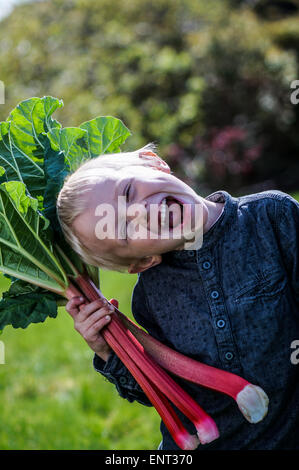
{"type": "Point", "coordinates": [51, 398]}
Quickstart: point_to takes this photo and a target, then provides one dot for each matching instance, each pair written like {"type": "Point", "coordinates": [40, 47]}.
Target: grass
{"type": "Point", "coordinates": [51, 398]}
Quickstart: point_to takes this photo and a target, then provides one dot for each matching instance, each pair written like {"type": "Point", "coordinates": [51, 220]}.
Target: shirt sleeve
{"type": "Point", "coordinates": [113, 369]}
{"type": "Point", "coordinates": [288, 240]}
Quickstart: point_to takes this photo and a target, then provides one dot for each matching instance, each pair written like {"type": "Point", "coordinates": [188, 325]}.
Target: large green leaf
{"type": "Point", "coordinates": [73, 142]}
{"type": "Point", "coordinates": [36, 154]}
{"type": "Point", "coordinates": [55, 171]}
{"type": "Point", "coordinates": [24, 304]}
{"type": "Point", "coordinates": [30, 120]}
{"type": "Point", "coordinates": [23, 141]}
{"type": "Point", "coordinates": [17, 164]}
{"type": "Point", "coordinates": [105, 135]}
{"type": "Point", "coordinates": [25, 240]}
{"type": "Point", "coordinates": [93, 138]}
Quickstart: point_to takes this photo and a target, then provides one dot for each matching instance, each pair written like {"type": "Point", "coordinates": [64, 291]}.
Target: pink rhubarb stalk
{"type": "Point", "coordinates": [180, 435]}
{"type": "Point", "coordinates": [205, 426]}
{"type": "Point", "coordinates": [251, 399]}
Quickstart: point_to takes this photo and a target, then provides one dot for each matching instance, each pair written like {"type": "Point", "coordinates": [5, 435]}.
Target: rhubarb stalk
{"type": "Point", "coordinates": [251, 399]}
{"type": "Point", "coordinates": [182, 438]}
{"type": "Point", "coordinates": [205, 426]}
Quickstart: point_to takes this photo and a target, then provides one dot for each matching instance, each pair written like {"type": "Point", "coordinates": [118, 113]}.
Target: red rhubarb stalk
{"type": "Point", "coordinates": [251, 399]}
{"type": "Point", "coordinates": [180, 435]}
{"type": "Point", "coordinates": [205, 426]}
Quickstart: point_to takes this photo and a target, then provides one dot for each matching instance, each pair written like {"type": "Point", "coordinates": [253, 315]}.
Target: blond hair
{"type": "Point", "coordinates": [72, 202]}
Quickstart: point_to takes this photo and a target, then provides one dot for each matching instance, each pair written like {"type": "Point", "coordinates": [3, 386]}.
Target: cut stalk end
{"type": "Point", "coordinates": [253, 403]}
{"type": "Point", "coordinates": [207, 430]}
{"type": "Point", "coordinates": [187, 441]}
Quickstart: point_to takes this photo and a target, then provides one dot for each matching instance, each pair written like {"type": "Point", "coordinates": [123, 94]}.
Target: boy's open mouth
{"type": "Point", "coordinates": [170, 212]}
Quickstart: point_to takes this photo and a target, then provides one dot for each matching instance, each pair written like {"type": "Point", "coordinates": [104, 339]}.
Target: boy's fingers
{"type": "Point", "coordinates": [96, 316]}
{"type": "Point", "coordinates": [72, 307]}
{"type": "Point", "coordinates": [91, 308]}
{"type": "Point", "coordinates": [93, 331]}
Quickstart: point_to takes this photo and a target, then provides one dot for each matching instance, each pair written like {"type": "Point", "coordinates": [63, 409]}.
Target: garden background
{"type": "Point", "coordinates": [210, 84]}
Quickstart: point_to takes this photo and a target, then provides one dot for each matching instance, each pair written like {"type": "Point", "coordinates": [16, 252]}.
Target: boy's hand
{"type": "Point", "coordinates": [89, 320]}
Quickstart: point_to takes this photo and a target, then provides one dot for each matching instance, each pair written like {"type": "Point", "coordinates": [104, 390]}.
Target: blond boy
{"type": "Point", "coordinates": [217, 281]}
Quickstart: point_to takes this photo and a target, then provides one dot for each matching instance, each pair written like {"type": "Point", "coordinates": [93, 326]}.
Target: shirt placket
{"type": "Point", "coordinates": [209, 275]}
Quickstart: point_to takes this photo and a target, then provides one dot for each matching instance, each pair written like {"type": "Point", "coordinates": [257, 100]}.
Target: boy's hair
{"type": "Point", "coordinates": [72, 201]}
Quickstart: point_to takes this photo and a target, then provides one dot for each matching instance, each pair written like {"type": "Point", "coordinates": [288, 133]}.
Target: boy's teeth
{"type": "Point", "coordinates": [163, 212]}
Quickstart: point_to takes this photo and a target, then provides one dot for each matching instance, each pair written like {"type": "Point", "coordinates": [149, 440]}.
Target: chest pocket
{"type": "Point", "coordinates": [269, 285]}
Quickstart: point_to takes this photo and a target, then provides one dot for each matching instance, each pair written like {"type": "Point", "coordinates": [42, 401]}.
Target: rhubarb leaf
{"type": "Point", "coordinates": [72, 141]}
{"type": "Point", "coordinates": [30, 120]}
{"type": "Point", "coordinates": [105, 135]}
{"type": "Point", "coordinates": [19, 288]}
{"type": "Point", "coordinates": [93, 138]}
{"type": "Point", "coordinates": [26, 308]}
{"type": "Point", "coordinates": [55, 171]}
{"type": "Point", "coordinates": [23, 140]}
{"type": "Point", "coordinates": [36, 155]}
{"type": "Point", "coordinates": [25, 240]}
{"type": "Point", "coordinates": [19, 166]}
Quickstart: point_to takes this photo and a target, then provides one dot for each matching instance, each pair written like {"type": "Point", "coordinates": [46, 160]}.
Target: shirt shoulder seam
{"type": "Point", "coordinates": [253, 198]}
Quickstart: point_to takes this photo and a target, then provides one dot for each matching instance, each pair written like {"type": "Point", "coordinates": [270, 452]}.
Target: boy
{"type": "Point", "coordinates": [233, 302]}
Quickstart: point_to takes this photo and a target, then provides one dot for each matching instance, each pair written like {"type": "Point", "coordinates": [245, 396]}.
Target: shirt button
{"type": "Point", "coordinates": [215, 294]}
{"type": "Point", "coordinates": [122, 380]}
{"type": "Point", "coordinates": [228, 355]}
{"type": "Point", "coordinates": [206, 265]}
{"type": "Point", "coordinates": [191, 253]}
{"type": "Point", "coordinates": [221, 323]}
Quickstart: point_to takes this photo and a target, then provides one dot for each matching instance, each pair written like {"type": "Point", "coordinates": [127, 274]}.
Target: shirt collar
{"type": "Point", "coordinates": [216, 231]}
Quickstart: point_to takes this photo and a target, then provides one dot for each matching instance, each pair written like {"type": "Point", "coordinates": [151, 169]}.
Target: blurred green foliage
{"type": "Point", "coordinates": [209, 82]}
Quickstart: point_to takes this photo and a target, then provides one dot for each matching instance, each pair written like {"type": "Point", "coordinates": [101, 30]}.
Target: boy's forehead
{"type": "Point", "coordinates": [113, 182]}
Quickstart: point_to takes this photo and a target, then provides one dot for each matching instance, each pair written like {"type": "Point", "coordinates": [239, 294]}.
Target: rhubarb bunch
{"type": "Point", "coordinates": [147, 359]}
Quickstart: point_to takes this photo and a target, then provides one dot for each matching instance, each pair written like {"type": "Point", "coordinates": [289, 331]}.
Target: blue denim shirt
{"type": "Point", "coordinates": [232, 304]}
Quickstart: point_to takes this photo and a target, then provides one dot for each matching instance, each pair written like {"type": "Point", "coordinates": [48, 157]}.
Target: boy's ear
{"type": "Point", "coordinates": [144, 263]}
{"type": "Point", "coordinates": [154, 161]}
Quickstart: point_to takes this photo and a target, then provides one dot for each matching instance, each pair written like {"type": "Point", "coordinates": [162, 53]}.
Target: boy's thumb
{"type": "Point", "coordinates": [114, 302]}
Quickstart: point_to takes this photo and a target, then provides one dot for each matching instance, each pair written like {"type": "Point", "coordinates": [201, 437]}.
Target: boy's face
{"type": "Point", "coordinates": [130, 202]}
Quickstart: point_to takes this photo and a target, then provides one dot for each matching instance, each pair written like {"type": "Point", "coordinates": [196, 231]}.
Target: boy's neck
{"type": "Point", "coordinates": [213, 210]}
